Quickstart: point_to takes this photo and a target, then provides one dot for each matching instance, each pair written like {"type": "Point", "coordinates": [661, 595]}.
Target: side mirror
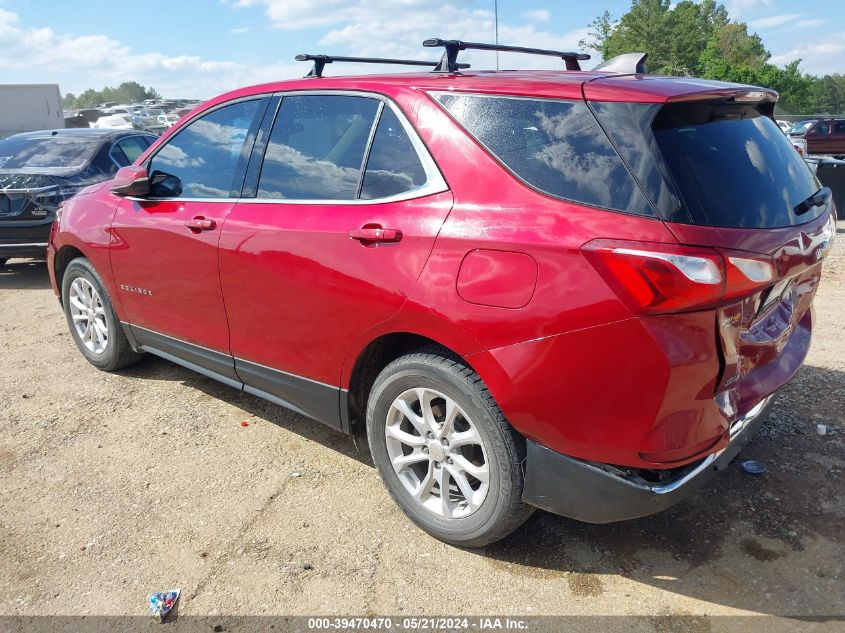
{"type": "Point", "coordinates": [131, 181]}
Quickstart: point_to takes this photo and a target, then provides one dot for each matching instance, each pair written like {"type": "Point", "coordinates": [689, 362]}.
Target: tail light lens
{"type": "Point", "coordinates": [652, 278]}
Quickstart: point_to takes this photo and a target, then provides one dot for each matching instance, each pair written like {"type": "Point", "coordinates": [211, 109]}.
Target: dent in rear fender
{"type": "Point", "coordinates": [611, 392]}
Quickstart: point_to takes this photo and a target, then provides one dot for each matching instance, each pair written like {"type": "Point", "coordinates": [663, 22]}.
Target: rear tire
{"type": "Point", "coordinates": [431, 419]}
{"type": "Point", "coordinates": [93, 323]}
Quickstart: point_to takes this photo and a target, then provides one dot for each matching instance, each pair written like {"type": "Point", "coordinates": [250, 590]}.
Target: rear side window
{"type": "Point", "coordinates": [201, 160]}
{"type": "Point", "coordinates": [126, 151]}
{"type": "Point", "coordinates": [839, 127]}
{"type": "Point", "coordinates": [555, 146]}
{"type": "Point", "coordinates": [316, 148]}
{"type": "Point", "coordinates": [732, 166]}
{"type": "Point", "coordinates": [393, 166]}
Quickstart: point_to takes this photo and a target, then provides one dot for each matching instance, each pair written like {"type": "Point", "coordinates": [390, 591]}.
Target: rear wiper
{"type": "Point", "coordinates": [818, 199]}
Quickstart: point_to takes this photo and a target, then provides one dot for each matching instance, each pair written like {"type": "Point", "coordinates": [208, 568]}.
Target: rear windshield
{"type": "Point", "coordinates": [712, 164]}
{"type": "Point", "coordinates": [46, 153]}
{"type": "Point", "coordinates": [555, 146]}
{"type": "Point", "coordinates": [732, 166]}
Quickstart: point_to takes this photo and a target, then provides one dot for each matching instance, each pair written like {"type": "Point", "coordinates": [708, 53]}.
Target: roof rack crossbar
{"type": "Point", "coordinates": [320, 62]}
{"type": "Point", "coordinates": [448, 63]}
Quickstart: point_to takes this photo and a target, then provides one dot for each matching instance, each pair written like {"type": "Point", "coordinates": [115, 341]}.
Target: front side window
{"type": "Point", "coordinates": [555, 146]}
{"type": "Point", "coordinates": [822, 129]}
{"type": "Point", "coordinates": [202, 159]}
{"type": "Point", "coordinates": [317, 147]}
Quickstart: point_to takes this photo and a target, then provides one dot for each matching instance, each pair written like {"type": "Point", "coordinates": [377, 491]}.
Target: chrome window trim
{"type": "Point", "coordinates": [434, 183]}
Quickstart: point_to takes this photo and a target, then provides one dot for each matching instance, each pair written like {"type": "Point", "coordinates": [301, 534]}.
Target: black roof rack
{"type": "Point", "coordinates": [321, 60]}
{"type": "Point", "coordinates": [448, 63]}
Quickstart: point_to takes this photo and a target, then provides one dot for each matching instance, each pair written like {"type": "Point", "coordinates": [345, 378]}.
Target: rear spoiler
{"type": "Point", "coordinates": [638, 88]}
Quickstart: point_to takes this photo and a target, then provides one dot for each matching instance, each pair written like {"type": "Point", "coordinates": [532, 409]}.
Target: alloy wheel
{"type": "Point", "coordinates": [437, 453]}
{"type": "Point", "coordinates": [88, 315]}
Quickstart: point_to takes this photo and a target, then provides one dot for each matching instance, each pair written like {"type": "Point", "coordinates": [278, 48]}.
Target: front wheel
{"type": "Point", "coordinates": [93, 323]}
{"type": "Point", "coordinates": [445, 451]}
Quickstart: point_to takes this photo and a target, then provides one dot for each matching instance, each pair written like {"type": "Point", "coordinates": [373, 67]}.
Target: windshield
{"type": "Point", "coordinates": [800, 127]}
{"type": "Point", "coordinates": [732, 166]}
{"type": "Point", "coordinates": [46, 152]}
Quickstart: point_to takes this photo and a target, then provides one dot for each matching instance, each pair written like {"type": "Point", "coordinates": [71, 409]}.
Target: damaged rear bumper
{"type": "Point", "coordinates": [599, 493]}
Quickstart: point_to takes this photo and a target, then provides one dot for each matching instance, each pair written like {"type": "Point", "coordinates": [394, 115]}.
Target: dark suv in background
{"type": "Point", "coordinates": [39, 170]}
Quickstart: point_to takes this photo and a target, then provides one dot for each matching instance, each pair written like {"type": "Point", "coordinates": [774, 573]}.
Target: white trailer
{"type": "Point", "coordinates": [29, 107]}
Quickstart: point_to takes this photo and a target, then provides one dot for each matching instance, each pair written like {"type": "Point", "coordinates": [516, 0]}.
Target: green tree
{"type": "Point", "coordinates": [127, 92]}
{"type": "Point", "coordinates": [700, 39]}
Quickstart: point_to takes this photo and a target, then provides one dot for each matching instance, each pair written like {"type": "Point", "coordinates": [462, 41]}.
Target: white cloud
{"type": "Point", "coordinates": [791, 20]}
{"type": "Point", "coordinates": [240, 30]}
{"type": "Point", "coordinates": [774, 20]}
{"type": "Point", "coordinates": [538, 15]}
{"type": "Point", "coordinates": [739, 7]}
{"type": "Point", "coordinates": [77, 62]}
{"type": "Point", "coordinates": [390, 28]}
{"type": "Point", "coordinates": [808, 22]}
{"type": "Point", "coordinates": [817, 58]}
{"type": "Point", "coordinates": [396, 28]}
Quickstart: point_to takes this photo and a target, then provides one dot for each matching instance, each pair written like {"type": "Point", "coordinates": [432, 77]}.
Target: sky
{"type": "Point", "coordinates": [200, 48]}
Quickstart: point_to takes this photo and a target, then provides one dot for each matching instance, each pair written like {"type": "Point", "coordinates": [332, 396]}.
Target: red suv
{"type": "Point", "coordinates": [569, 290]}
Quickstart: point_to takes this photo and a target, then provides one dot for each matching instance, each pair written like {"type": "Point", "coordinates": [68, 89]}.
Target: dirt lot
{"type": "Point", "coordinates": [113, 486]}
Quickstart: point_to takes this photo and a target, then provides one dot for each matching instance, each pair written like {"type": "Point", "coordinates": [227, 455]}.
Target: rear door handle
{"type": "Point", "coordinates": [375, 235]}
{"type": "Point", "coordinates": [199, 223]}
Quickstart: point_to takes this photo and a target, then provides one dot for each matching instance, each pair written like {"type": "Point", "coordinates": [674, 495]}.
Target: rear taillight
{"type": "Point", "coordinates": [653, 278]}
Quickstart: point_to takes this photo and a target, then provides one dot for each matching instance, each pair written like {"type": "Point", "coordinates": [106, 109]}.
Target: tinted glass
{"type": "Point", "coordinates": [316, 148]}
{"type": "Point", "coordinates": [393, 165]}
{"type": "Point", "coordinates": [732, 165]}
{"type": "Point", "coordinates": [629, 126]}
{"type": "Point", "coordinates": [821, 129]}
{"type": "Point", "coordinates": [839, 127]}
{"type": "Point", "coordinates": [554, 146]}
{"type": "Point", "coordinates": [206, 154]}
{"type": "Point", "coordinates": [127, 151]}
{"type": "Point", "coordinates": [45, 153]}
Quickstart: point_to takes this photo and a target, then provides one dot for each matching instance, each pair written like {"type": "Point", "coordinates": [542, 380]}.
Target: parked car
{"type": "Point", "coordinates": [570, 291]}
{"type": "Point", "coordinates": [168, 120]}
{"type": "Point", "coordinates": [122, 121]}
{"type": "Point", "coordinates": [783, 125]}
{"type": "Point", "coordinates": [822, 136]}
{"type": "Point", "coordinates": [39, 170]}
{"type": "Point", "coordinates": [149, 119]}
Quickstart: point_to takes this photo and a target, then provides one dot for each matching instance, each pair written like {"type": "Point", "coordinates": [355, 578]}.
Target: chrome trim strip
{"type": "Point", "coordinates": [29, 190]}
{"type": "Point", "coordinates": [736, 428]}
{"type": "Point", "coordinates": [434, 183]}
{"type": "Point", "coordinates": [24, 245]}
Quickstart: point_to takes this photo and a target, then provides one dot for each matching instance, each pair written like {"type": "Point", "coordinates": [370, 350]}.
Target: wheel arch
{"type": "Point", "coordinates": [64, 256]}
{"type": "Point", "coordinates": [374, 357]}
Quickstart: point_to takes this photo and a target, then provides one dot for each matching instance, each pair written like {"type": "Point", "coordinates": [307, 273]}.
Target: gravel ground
{"type": "Point", "coordinates": [116, 485]}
